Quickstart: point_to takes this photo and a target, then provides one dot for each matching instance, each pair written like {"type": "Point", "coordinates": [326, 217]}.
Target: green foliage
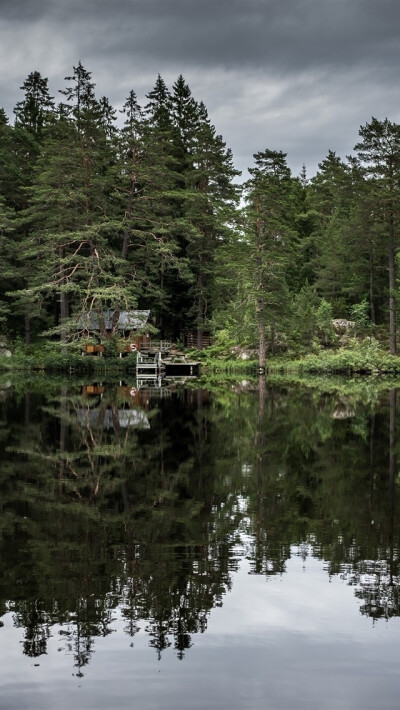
{"type": "Point", "coordinates": [359, 313]}
{"type": "Point", "coordinates": [304, 318]}
{"type": "Point", "coordinates": [363, 357]}
{"type": "Point", "coordinates": [96, 216]}
{"type": "Point", "coordinates": [323, 317]}
{"type": "Point", "coordinates": [50, 356]}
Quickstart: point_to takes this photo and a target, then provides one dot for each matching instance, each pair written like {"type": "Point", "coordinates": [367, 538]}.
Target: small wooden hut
{"type": "Point", "coordinates": [129, 325]}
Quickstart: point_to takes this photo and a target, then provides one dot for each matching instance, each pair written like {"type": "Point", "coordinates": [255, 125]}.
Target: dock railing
{"type": "Point", "coordinates": [150, 364]}
{"type": "Point", "coordinates": [162, 346]}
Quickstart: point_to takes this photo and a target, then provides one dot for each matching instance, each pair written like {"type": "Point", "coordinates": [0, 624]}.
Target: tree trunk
{"type": "Point", "coordinates": [125, 245]}
{"type": "Point", "coordinates": [260, 301]}
{"type": "Point", "coordinates": [262, 350]}
{"type": "Point", "coordinates": [372, 452]}
{"type": "Point", "coordinates": [63, 300]}
{"type": "Point", "coordinates": [392, 472]}
{"type": "Point", "coordinates": [392, 267]}
{"type": "Point", "coordinates": [392, 287]}
{"type": "Point", "coordinates": [27, 412]}
{"type": "Point", "coordinates": [162, 269]}
{"type": "Point", "coordinates": [114, 320]}
{"type": "Point", "coordinates": [200, 314]}
{"type": "Point", "coordinates": [27, 329]}
{"type": "Point", "coordinates": [371, 288]}
{"type": "Point", "coordinates": [63, 316]}
{"type": "Point", "coordinates": [128, 213]}
{"type": "Point", "coordinates": [63, 430]}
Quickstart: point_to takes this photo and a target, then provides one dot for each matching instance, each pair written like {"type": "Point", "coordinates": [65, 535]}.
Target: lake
{"type": "Point", "coordinates": [233, 546]}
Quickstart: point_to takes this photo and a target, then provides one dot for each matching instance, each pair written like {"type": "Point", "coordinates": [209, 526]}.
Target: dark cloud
{"type": "Point", "coordinates": [24, 11]}
{"type": "Point", "coordinates": [298, 75]}
{"type": "Point", "coordinates": [290, 34]}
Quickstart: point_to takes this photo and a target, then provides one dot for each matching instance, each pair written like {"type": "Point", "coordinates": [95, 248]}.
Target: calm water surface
{"type": "Point", "coordinates": [174, 547]}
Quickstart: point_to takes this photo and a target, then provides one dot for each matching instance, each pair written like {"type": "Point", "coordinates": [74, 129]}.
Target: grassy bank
{"type": "Point", "coordinates": [365, 358]}
{"type": "Point", "coordinates": [54, 360]}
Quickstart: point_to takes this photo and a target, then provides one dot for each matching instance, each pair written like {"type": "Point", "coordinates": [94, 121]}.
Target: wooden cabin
{"type": "Point", "coordinates": [129, 325]}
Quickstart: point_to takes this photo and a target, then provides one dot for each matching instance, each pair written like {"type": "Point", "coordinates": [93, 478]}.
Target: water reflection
{"type": "Point", "coordinates": [137, 501]}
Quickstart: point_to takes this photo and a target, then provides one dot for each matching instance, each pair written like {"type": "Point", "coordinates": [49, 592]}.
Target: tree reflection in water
{"type": "Point", "coordinates": [137, 502]}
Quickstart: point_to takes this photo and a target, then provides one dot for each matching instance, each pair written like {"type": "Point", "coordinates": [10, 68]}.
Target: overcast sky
{"type": "Point", "coordinates": [294, 75]}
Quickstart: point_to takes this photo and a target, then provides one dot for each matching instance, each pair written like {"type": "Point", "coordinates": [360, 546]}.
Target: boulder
{"type": "Point", "coordinates": [4, 347]}
{"type": "Point", "coordinates": [244, 353]}
{"type": "Point", "coordinates": [341, 326]}
{"type": "Point", "coordinates": [343, 412]}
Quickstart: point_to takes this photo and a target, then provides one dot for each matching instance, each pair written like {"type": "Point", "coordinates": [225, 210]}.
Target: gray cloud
{"type": "Point", "coordinates": [298, 75]}
{"type": "Point", "coordinates": [289, 34]}
{"type": "Point", "coordinates": [23, 11]}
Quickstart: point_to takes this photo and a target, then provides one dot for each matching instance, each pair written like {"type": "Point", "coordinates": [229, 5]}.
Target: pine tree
{"type": "Point", "coordinates": [10, 173]}
{"type": "Point", "coordinates": [158, 108]}
{"type": "Point", "coordinates": [146, 187]}
{"type": "Point", "coordinates": [32, 114]}
{"type": "Point", "coordinates": [269, 226]}
{"type": "Point", "coordinates": [210, 206]}
{"type": "Point", "coordinates": [163, 193]}
{"type": "Point", "coordinates": [185, 117]}
{"type": "Point", "coordinates": [131, 152]}
{"type": "Point", "coordinates": [71, 214]}
{"type": "Point", "coordinates": [379, 152]}
{"type": "Point", "coordinates": [331, 195]}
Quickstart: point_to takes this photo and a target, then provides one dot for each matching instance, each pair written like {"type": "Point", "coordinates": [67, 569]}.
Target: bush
{"type": "Point", "coordinates": [364, 358]}
{"type": "Point", "coordinates": [359, 313]}
{"type": "Point", "coordinates": [324, 317]}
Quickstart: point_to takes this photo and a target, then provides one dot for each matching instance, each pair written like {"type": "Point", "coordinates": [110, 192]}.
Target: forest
{"type": "Point", "coordinates": [143, 208]}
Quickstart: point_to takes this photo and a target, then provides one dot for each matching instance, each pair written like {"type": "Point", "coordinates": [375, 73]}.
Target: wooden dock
{"type": "Point", "coordinates": [149, 364]}
{"type": "Point", "coordinates": [181, 368]}
{"type": "Point", "coordinates": [153, 365]}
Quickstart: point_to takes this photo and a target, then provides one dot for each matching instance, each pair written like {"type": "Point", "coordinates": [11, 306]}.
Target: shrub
{"type": "Point", "coordinates": [359, 313]}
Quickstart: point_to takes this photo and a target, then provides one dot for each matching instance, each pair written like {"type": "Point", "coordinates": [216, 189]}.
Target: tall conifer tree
{"type": "Point", "coordinates": [379, 152]}
{"type": "Point", "coordinates": [271, 233]}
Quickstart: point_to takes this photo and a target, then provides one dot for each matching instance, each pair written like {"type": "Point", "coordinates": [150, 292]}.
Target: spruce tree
{"type": "Point", "coordinates": [331, 197]}
{"type": "Point", "coordinates": [163, 193]}
{"type": "Point", "coordinates": [37, 106]}
{"type": "Point", "coordinates": [32, 114]}
{"type": "Point", "coordinates": [71, 214]}
{"type": "Point", "coordinates": [270, 231]}
{"type": "Point", "coordinates": [210, 206]}
{"type": "Point", "coordinates": [379, 151]}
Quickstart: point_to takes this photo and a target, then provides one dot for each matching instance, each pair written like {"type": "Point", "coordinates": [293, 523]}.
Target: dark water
{"type": "Point", "coordinates": [185, 548]}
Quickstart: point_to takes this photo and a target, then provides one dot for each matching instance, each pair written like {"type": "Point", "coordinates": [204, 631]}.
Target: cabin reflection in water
{"type": "Point", "coordinates": [94, 418]}
{"type": "Point", "coordinates": [125, 405]}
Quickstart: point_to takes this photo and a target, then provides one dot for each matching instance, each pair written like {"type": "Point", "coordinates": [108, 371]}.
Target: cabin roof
{"type": "Point", "coordinates": [127, 320]}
